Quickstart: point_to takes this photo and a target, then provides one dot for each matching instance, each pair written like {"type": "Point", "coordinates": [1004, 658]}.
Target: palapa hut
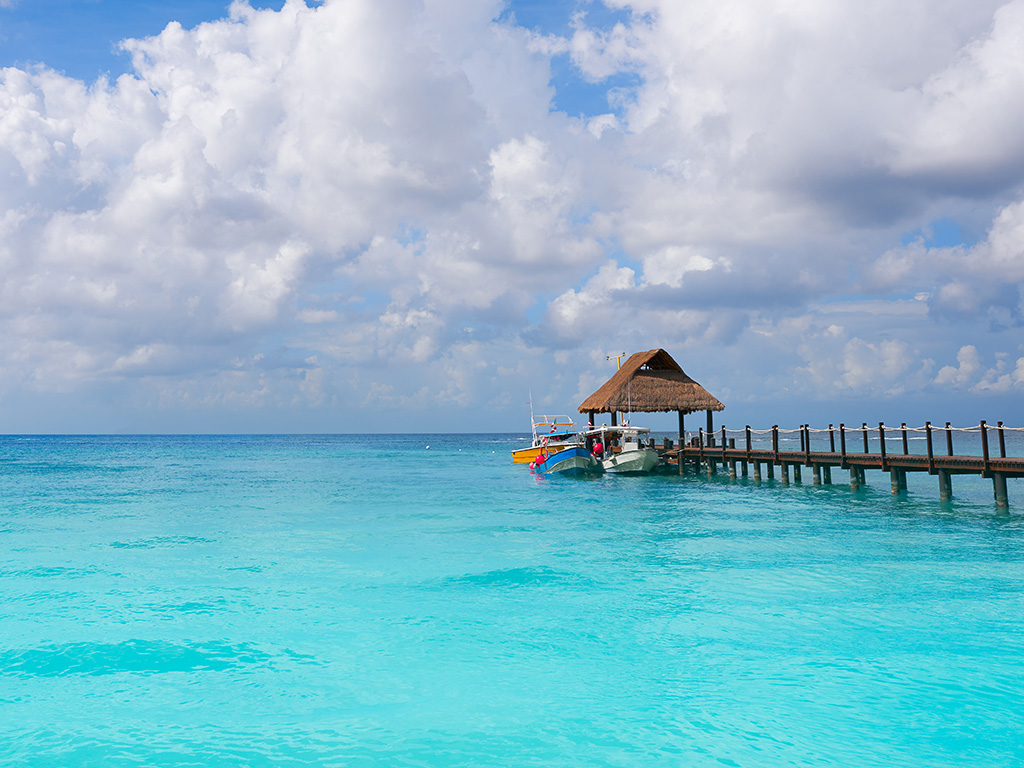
{"type": "Point", "coordinates": [651, 382]}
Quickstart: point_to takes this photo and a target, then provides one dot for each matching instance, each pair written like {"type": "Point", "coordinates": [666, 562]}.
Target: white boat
{"type": "Point", "coordinates": [624, 451]}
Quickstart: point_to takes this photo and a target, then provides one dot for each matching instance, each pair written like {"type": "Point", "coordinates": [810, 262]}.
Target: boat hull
{"type": "Point", "coordinates": [569, 461]}
{"type": "Point", "coordinates": [551, 443]}
{"type": "Point", "coordinates": [631, 462]}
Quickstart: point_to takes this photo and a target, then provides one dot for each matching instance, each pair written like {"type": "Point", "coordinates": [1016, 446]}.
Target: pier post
{"type": "Point", "coordinates": [807, 445]}
{"type": "Point", "coordinates": [1002, 441]}
{"type": "Point", "coordinates": [864, 430]}
{"type": "Point", "coordinates": [785, 473]}
{"type": "Point", "coordinates": [906, 448]}
{"type": "Point", "coordinates": [894, 480]}
{"type": "Point", "coordinates": [854, 479]}
{"type": "Point", "coordinates": [984, 450]}
{"type": "Point", "coordinates": [999, 486]}
{"type": "Point", "coordinates": [881, 444]}
{"type": "Point", "coordinates": [903, 479]}
{"type": "Point", "coordinates": [945, 486]}
{"type": "Point", "coordinates": [860, 474]}
{"type": "Point", "coordinates": [771, 470]}
{"type": "Point", "coordinates": [831, 439]}
{"type": "Point", "coordinates": [949, 439]}
{"type": "Point", "coordinates": [842, 444]}
{"type": "Point", "coordinates": [743, 467]}
{"type": "Point", "coordinates": [827, 473]}
{"type": "Point", "coordinates": [817, 474]}
{"type": "Point", "coordinates": [757, 471]}
{"type": "Point", "coordinates": [931, 453]}
{"type": "Point", "coordinates": [796, 474]}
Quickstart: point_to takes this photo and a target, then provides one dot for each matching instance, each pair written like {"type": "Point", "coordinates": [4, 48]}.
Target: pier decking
{"type": "Point", "coordinates": [706, 453]}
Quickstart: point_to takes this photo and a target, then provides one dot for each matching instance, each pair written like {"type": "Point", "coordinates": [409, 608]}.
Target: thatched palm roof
{"type": "Point", "coordinates": [648, 382]}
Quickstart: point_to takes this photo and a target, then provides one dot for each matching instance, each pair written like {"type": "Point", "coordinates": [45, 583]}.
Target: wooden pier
{"type": "Point", "coordinates": [848, 449]}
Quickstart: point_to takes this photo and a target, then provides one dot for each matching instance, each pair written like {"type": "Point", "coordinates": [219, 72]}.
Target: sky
{"type": "Point", "coordinates": [423, 215]}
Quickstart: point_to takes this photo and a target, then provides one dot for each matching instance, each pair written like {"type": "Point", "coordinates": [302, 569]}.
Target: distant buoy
{"type": "Point", "coordinates": [428, 448]}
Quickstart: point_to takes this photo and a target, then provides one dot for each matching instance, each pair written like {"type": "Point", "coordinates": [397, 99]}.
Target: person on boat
{"type": "Point", "coordinates": [598, 450]}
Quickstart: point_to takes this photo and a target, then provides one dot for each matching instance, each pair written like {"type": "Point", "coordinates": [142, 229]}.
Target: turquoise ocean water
{"type": "Point", "coordinates": [370, 601]}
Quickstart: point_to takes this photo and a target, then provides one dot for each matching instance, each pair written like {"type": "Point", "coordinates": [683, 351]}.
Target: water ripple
{"type": "Point", "coordinates": [137, 656]}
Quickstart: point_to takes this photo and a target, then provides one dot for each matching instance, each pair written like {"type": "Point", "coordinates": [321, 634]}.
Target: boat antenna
{"type": "Point", "coordinates": [618, 366]}
{"type": "Point", "coordinates": [533, 424]}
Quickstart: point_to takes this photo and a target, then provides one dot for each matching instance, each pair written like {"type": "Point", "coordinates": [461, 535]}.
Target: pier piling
{"type": "Point", "coordinates": [945, 485]}
{"type": "Point", "coordinates": [999, 486]}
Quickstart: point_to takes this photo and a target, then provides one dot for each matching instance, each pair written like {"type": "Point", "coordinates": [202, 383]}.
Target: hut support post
{"type": "Point", "coordinates": [682, 442]}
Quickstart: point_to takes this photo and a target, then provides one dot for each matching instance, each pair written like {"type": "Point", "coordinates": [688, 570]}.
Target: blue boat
{"type": "Point", "coordinates": [571, 460]}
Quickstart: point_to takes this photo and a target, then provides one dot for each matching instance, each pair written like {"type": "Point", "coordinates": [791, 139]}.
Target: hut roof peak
{"type": "Point", "coordinates": [648, 382]}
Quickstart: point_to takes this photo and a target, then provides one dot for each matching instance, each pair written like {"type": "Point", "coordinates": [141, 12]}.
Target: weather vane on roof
{"type": "Point", "coordinates": [617, 358]}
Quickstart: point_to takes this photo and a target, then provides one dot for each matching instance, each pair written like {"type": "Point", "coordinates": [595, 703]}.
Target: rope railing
{"type": "Point", "coordinates": [892, 431]}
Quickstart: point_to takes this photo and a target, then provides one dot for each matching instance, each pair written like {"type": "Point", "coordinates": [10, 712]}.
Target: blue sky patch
{"type": "Point", "coordinates": [940, 233]}
{"type": "Point", "coordinates": [80, 37]}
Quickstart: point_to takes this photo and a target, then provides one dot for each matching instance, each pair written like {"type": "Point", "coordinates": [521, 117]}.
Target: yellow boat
{"type": "Point", "coordinates": [549, 432]}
